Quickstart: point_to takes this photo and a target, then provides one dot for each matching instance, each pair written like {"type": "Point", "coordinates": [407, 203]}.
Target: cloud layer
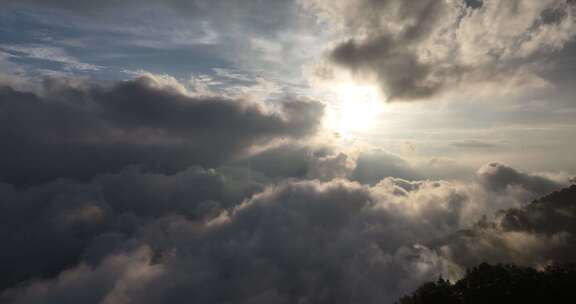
{"type": "Point", "coordinates": [142, 191]}
{"type": "Point", "coordinates": [77, 129]}
{"type": "Point", "coordinates": [231, 235]}
{"type": "Point", "coordinates": [107, 197]}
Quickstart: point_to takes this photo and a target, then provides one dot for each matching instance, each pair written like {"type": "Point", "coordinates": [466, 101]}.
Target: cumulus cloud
{"type": "Point", "coordinates": [220, 236]}
{"type": "Point", "coordinates": [416, 49]}
{"type": "Point", "coordinates": [47, 228]}
{"type": "Point", "coordinates": [120, 208]}
{"type": "Point", "coordinates": [114, 281]}
{"type": "Point", "coordinates": [140, 191]}
{"type": "Point", "coordinates": [299, 241]}
{"type": "Point", "coordinates": [78, 128]}
{"type": "Point", "coordinates": [373, 166]}
{"type": "Point", "coordinates": [499, 177]}
{"type": "Point", "coordinates": [299, 161]}
{"type": "Point", "coordinates": [535, 235]}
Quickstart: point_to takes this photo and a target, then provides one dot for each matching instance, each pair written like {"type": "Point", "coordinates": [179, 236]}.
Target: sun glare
{"type": "Point", "coordinates": [356, 108]}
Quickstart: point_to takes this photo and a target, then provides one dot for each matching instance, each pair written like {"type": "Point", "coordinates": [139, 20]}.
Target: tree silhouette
{"type": "Point", "coordinates": [502, 283]}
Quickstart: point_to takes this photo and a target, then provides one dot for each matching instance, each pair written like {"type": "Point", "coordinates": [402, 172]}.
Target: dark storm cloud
{"type": "Point", "coordinates": [416, 49]}
{"type": "Point", "coordinates": [80, 129]}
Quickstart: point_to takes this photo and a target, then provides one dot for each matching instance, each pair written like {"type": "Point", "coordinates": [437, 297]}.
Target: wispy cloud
{"type": "Point", "coordinates": [47, 53]}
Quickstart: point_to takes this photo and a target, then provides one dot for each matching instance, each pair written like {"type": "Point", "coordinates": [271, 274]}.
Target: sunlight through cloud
{"type": "Point", "coordinates": [356, 108]}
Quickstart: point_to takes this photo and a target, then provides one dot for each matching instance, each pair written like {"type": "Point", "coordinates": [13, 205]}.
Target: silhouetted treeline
{"type": "Point", "coordinates": [501, 284]}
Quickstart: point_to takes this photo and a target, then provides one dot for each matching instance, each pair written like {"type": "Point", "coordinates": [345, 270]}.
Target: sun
{"type": "Point", "coordinates": [356, 108]}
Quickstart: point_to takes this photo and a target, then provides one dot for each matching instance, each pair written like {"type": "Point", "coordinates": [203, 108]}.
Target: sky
{"type": "Point", "coordinates": [280, 151]}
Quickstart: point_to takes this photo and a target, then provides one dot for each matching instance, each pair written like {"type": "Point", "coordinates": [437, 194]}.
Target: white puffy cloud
{"type": "Point", "coordinates": [416, 49]}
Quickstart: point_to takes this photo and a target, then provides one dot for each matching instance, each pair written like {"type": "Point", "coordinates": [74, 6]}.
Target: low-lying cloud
{"type": "Point", "coordinates": [536, 235]}
{"type": "Point", "coordinates": [232, 235]}
{"type": "Point", "coordinates": [138, 192]}
{"type": "Point", "coordinates": [141, 191]}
